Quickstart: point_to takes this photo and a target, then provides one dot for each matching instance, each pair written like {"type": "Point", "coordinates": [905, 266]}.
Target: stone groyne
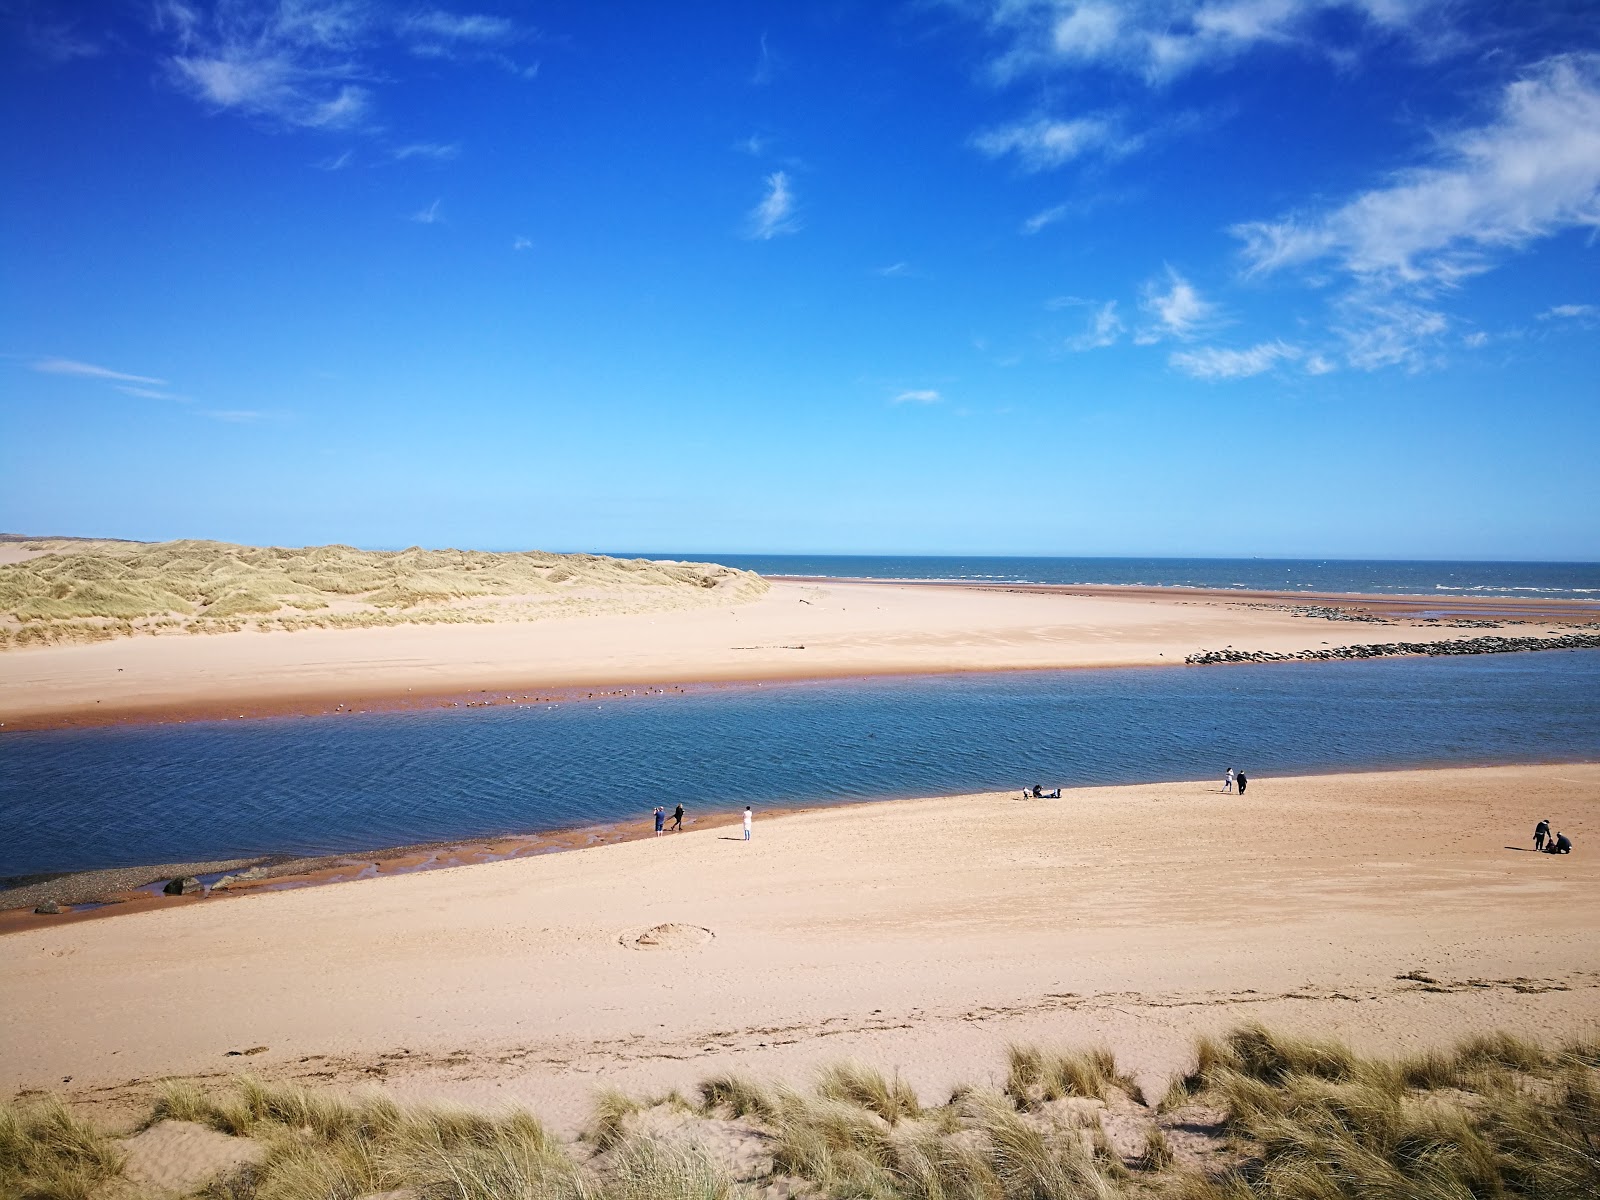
{"type": "Point", "coordinates": [1477, 645]}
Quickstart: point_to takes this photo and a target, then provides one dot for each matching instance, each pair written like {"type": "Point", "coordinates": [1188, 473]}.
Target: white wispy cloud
{"type": "Point", "coordinates": [1570, 312]}
{"type": "Point", "coordinates": [234, 416]}
{"type": "Point", "coordinates": [308, 63]}
{"type": "Point", "coordinates": [774, 215]}
{"type": "Point", "coordinates": [1379, 332]}
{"type": "Point", "coordinates": [1044, 218]}
{"type": "Point", "coordinates": [1162, 39]}
{"type": "Point", "coordinates": [335, 162]}
{"type": "Point", "coordinates": [1176, 308]}
{"type": "Point", "coordinates": [68, 366]}
{"type": "Point", "coordinates": [432, 151]}
{"type": "Point", "coordinates": [917, 396]}
{"type": "Point", "coordinates": [1211, 362]}
{"type": "Point", "coordinates": [522, 243]}
{"type": "Point", "coordinates": [296, 63]}
{"type": "Point", "coordinates": [1104, 328]}
{"type": "Point", "coordinates": [895, 270]}
{"type": "Point", "coordinates": [146, 393]}
{"type": "Point", "coordinates": [767, 64]}
{"type": "Point", "coordinates": [1041, 143]}
{"type": "Point", "coordinates": [458, 27]}
{"type": "Point", "coordinates": [1531, 171]}
{"type": "Point", "coordinates": [427, 216]}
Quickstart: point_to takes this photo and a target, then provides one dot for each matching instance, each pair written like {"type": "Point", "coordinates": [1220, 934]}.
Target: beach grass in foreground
{"type": "Point", "coordinates": [1261, 1114]}
{"type": "Point", "coordinates": [66, 591]}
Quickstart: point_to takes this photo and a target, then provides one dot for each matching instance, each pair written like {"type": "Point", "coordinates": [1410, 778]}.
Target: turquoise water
{"type": "Point", "coordinates": [80, 799]}
{"type": "Point", "coordinates": [1384, 577]}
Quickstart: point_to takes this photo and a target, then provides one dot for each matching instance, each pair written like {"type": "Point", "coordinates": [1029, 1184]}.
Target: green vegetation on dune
{"type": "Point", "coordinates": [94, 591]}
{"type": "Point", "coordinates": [1261, 1117]}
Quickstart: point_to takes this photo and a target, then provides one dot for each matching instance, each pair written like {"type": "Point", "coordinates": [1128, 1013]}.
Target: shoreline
{"type": "Point", "coordinates": [931, 628]}
{"type": "Point", "coordinates": [97, 900]}
{"type": "Point", "coordinates": [283, 871]}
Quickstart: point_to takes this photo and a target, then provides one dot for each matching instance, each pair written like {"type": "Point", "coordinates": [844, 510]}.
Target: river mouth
{"type": "Point", "coordinates": [80, 800]}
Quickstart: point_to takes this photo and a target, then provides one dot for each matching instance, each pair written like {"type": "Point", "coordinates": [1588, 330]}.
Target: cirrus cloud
{"type": "Point", "coordinates": [1529, 172]}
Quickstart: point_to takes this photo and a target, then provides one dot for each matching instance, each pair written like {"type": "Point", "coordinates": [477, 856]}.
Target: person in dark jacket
{"type": "Point", "coordinates": [1562, 844]}
{"type": "Point", "coordinates": [677, 819]}
{"type": "Point", "coordinates": [1240, 780]}
{"type": "Point", "coordinates": [1541, 832]}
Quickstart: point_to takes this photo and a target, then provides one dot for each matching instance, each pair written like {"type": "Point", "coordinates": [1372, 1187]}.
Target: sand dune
{"type": "Point", "coordinates": [1396, 909]}
{"type": "Point", "coordinates": [55, 592]}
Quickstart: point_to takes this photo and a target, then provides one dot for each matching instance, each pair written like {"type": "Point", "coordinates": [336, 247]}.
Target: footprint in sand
{"type": "Point", "coordinates": [672, 936]}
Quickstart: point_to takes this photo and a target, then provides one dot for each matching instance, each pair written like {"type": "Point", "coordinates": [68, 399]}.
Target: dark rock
{"type": "Point", "coordinates": [1477, 645]}
{"type": "Point", "coordinates": [184, 885]}
{"type": "Point", "coordinates": [49, 909]}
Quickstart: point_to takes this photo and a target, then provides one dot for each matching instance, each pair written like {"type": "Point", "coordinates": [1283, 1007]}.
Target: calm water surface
{"type": "Point", "coordinates": [120, 797]}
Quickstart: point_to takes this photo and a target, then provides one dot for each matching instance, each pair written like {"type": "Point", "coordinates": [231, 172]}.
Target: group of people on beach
{"type": "Point", "coordinates": [1545, 843]}
{"type": "Point", "coordinates": [677, 820]}
{"type": "Point", "coordinates": [1234, 777]}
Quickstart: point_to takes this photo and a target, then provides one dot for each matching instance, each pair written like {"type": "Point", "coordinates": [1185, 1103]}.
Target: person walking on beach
{"type": "Point", "coordinates": [1238, 778]}
{"type": "Point", "coordinates": [661, 818]}
{"type": "Point", "coordinates": [1227, 781]}
{"type": "Point", "coordinates": [677, 819]}
{"type": "Point", "coordinates": [747, 822]}
{"type": "Point", "coordinates": [1540, 832]}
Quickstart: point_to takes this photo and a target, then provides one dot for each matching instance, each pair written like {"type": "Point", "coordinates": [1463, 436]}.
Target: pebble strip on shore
{"type": "Point", "coordinates": [1478, 645]}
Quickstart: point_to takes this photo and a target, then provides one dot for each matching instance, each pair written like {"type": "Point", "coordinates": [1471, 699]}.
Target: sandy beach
{"type": "Point", "coordinates": [796, 630]}
{"type": "Point", "coordinates": [1396, 910]}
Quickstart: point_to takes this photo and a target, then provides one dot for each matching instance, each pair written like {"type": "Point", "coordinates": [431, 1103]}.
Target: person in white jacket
{"type": "Point", "coordinates": [747, 822]}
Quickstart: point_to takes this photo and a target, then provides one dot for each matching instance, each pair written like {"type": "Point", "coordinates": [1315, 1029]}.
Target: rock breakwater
{"type": "Point", "coordinates": [1477, 645]}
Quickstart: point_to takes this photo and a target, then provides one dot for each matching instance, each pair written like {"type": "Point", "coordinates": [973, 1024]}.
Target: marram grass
{"type": "Point", "coordinates": [80, 592]}
{"type": "Point", "coordinates": [1300, 1119]}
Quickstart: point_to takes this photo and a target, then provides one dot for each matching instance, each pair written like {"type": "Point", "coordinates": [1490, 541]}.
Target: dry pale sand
{"type": "Point", "coordinates": [1396, 910]}
{"type": "Point", "coordinates": [797, 630]}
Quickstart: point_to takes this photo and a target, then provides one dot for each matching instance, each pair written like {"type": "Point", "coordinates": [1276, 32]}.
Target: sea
{"type": "Point", "coordinates": [127, 796]}
{"type": "Point", "coordinates": [1553, 580]}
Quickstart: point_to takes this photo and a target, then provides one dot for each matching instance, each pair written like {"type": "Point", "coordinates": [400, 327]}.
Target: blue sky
{"type": "Point", "coordinates": [1242, 277]}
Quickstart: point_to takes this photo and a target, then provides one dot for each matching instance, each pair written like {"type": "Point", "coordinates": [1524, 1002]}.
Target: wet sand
{"type": "Point", "coordinates": [798, 630]}
{"type": "Point", "coordinates": [1395, 909]}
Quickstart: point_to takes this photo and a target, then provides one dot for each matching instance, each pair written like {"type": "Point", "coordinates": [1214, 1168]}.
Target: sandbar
{"type": "Point", "coordinates": [1394, 909]}
{"type": "Point", "coordinates": [797, 630]}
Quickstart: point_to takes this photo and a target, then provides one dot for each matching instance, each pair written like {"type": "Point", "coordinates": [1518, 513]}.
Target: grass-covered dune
{"type": "Point", "coordinates": [66, 591]}
{"type": "Point", "coordinates": [1260, 1116]}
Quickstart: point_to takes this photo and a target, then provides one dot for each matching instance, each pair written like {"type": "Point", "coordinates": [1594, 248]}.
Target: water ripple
{"type": "Point", "coordinates": [116, 797]}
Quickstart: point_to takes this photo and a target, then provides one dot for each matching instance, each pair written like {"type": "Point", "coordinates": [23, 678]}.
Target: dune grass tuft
{"type": "Point", "coordinates": [48, 1153]}
{"type": "Point", "coordinates": [1303, 1119]}
{"type": "Point", "coordinates": [1036, 1077]}
{"type": "Point", "coordinates": [864, 1086]}
{"type": "Point", "coordinates": [739, 1096]}
{"type": "Point", "coordinates": [612, 1109]}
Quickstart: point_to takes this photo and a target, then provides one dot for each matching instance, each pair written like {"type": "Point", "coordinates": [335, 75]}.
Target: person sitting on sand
{"type": "Point", "coordinates": [677, 819]}
{"type": "Point", "coordinates": [1038, 792]}
{"type": "Point", "coordinates": [1541, 832]}
{"type": "Point", "coordinates": [1562, 844]}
